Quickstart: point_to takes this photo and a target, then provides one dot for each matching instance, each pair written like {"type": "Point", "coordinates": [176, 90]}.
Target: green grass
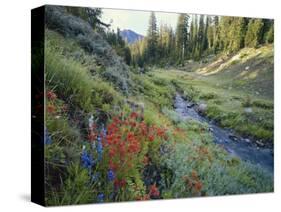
{"type": "Point", "coordinates": [74, 83]}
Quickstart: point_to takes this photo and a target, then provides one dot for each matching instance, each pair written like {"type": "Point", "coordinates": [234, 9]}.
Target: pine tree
{"type": "Point", "coordinates": [268, 31]}
{"type": "Point", "coordinates": [254, 33]}
{"type": "Point", "coordinates": [193, 41]}
{"type": "Point", "coordinates": [205, 37]}
{"type": "Point", "coordinates": [216, 34]}
{"type": "Point", "coordinates": [182, 36]}
{"type": "Point", "coordinates": [270, 35]}
{"type": "Point", "coordinates": [200, 38]}
{"type": "Point", "coordinates": [225, 30]}
{"type": "Point", "coordinates": [152, 36]}
{"type": "Point", "coordinates": [237, 34]}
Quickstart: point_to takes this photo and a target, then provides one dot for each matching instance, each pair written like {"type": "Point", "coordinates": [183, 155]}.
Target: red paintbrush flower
{"type": "Point", "coordinates": [198, 186]}
{"type": "Point", "coordinates": [151, 137]}
{"type": "Point", "coordinates": [145, 160]}
{"type": "Point", "coordinates": [154, 192]}
{"type": "Point", "coordinates": [133, 115]}
{"type": "Point", "coordinates": [51, 109]}
{"type": "Point", "coordinates": [51, 95]}
{"type": "Point", "coordinates": [92, 136]}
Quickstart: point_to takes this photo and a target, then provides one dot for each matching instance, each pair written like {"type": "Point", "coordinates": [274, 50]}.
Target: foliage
{"type": "Point", "coordinates": [182, 36]}
{"type": "Point", "coordinates": [202, 169]}
{"type": "Point", "coordinates": [203, 35]}
{"type": "Point", "coordinates": [152, 34]}
{"type": "Point", "coordinates": [92, 42]}
{"type": "Point", "coordinates": [254, 33]}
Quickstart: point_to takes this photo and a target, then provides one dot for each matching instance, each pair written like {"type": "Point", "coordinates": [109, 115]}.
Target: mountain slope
{"type": "Point", "coordinates": [130, 36]}
{"type": "Point", "coordinates": [94, 46]}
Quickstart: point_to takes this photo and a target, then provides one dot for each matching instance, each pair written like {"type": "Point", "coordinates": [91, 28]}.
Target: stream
{"type": "Point", "coordinates": [243, 148]}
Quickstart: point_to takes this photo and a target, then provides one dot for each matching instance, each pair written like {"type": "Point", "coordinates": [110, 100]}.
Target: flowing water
{"type": "Point", "coordinates": [237, 146]}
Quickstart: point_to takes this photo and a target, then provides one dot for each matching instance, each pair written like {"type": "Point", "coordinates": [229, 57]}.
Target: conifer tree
{"type": "Point", "coordinates": [152, 36]}
{"type": "Point", "coordinates": [254, 33]}
{"type": "Point", "coordinates": [200, 38]}
{"type": "Point", "coordinates": [237, 34]}
{"type": "Point", "coordinates": [182, 36]}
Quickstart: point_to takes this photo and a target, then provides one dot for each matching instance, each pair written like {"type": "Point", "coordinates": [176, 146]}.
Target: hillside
{"type": "Point", "coordinates": [120, 132]}
{"type": "Point", "coordinates": [130, 36]}
{"type": "Point", "coordinates": [249, 70]}
{"type": "Point", "coordinates": [92, 49]}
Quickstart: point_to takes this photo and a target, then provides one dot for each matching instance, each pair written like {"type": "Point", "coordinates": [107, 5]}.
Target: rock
{"type": "Point", "coordinates": [247, 140]}
{"type": "Point", "coordinates": [233, 137]}
{"type": "Point", "coordinates": [258, 142]}
{"type": "Point", "coordinates": [247, 68]}
{"type": "Point", "coordinates": [202, 108]}
{"type": "Point", "coordinates": [248, 110]}
{"type": "Point", "coordinates": [190, 105]}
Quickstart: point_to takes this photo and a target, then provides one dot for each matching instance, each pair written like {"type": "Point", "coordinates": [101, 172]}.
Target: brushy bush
{"type": "Point", "coordinates": [208, 96]}
{"type": "Point", "coordinates": [263, 104]}
{"type": "Point", "coordinates": [172, 115]}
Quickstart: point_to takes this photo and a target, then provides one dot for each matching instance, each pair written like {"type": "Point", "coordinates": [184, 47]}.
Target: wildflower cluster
{"type": "Point", "coordinates": [54, 106]}
{"type": "Point", "coordinates": [119, 150]}
{"type": "Point", "coordinates": [51, 96]}
{"type": "Point", "coordinates": [193, 183]}
{"type": "Point", "coordinates": [153, 193]}
{"type": "Point", "coordinates": [126, 140]}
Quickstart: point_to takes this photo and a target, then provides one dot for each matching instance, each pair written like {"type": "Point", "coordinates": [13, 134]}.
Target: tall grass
{"type": "Point", "coordinates": [74, 83]}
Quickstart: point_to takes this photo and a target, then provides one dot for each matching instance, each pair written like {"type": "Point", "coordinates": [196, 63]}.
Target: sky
{"type": "Point", "coordinates": [136, 20]}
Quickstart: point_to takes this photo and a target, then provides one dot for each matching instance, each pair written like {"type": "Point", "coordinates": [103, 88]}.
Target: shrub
{"type": "Point", "coordinates": [247, 102]}
{"type": "Point", "coordinates": [172, 115]}
{"type": "Point", "coordinates": [208, 96]}
{"type": "Point", "coordinates": [73, 27]}
{"type": "Point", "coordinates": [263, 104]}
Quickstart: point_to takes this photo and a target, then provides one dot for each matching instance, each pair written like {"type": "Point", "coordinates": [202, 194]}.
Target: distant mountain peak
{"type": "Point", "coordinates": [130, 36]}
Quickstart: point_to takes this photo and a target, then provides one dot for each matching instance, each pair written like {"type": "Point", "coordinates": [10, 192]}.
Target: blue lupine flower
{"type": "Point", "coordinates": [98, 138]}
{"type": "Point", "coordinates": [87, 160]}
{"type": "Point", "coordinates": [99, 148]}
{"type": "Point", "coordinates": [47, 139]}
{"type": "Point", "coordinates": [104, 131]}
{"type": "Point", "coordinates": [93, 145]}
{"type": "Point", "coordinates": [111, 196]}
{"type": "Point", "coordinates": [100, 197]}
{"type": "Point", "coordinates": [110, 175]}
{"type": "Point", "coordinates": [95, 177]}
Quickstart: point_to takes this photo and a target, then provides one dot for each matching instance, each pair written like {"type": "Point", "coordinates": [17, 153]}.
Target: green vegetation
{"type": "Point", "coordinates": [227, 91]}
{"type": "Point", "coordinates": [198, 38]}
{"type": "Point", "coordinates": [200, 168]}
{"type": "Point", "coordinates": [112, 133]}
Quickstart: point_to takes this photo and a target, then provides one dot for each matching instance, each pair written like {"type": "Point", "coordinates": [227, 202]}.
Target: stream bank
{"type": "Point", "coordinates": [243, 148]}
